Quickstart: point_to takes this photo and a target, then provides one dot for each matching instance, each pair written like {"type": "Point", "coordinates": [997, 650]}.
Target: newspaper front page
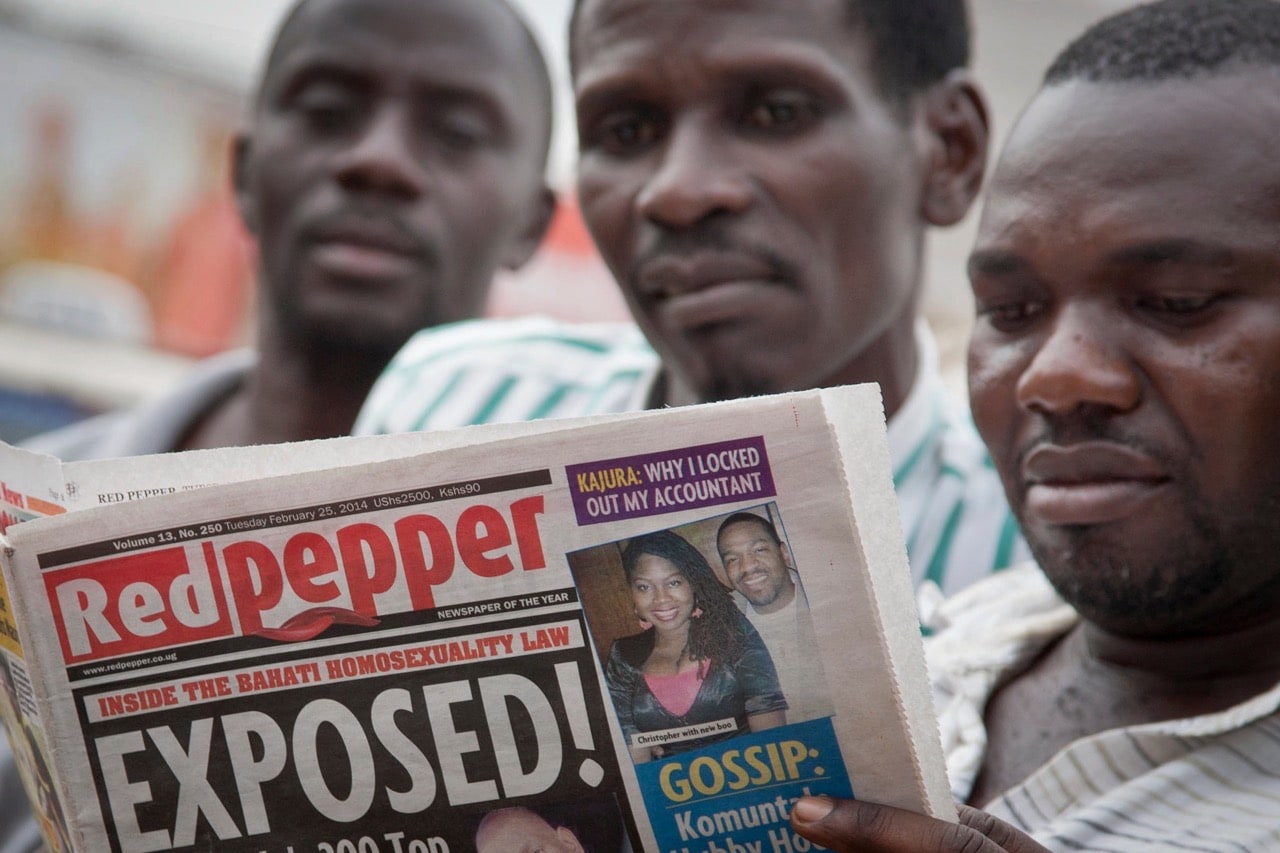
{"type": "Point", "coordinates": [550, 633]}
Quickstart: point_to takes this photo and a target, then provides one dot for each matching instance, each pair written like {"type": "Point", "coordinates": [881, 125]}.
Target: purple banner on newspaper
{"type": "Point", "coordinates": [671, 481]}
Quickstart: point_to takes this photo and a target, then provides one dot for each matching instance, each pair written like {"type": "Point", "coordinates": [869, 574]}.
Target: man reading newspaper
{"type": "Point", "coordinates": [760, 178]}
{"type": "Point", "coordinates": [1123, 372]}
{"type": "Point", "coordinates": [376, 215]}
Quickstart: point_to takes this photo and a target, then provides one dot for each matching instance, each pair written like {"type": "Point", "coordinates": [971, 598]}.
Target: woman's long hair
{"type": "Point", "coordinates": [718, 634]}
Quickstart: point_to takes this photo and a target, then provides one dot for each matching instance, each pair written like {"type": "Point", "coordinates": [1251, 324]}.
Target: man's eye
{"type": "Point", "coordinates": [622, 133]}
{"type": "Point", "coordinates": [1180, 310]}
{"type": "Point", "coordinates": [781, 113]}
{"type": "Point", "coordinates": [1178, 306]}
{"type": "Point", "coordinates": [326, 107]}
{"type": "Point", "coordinates": [1010, 316]}
{"type": "Point", "coordinates": [462, 133]}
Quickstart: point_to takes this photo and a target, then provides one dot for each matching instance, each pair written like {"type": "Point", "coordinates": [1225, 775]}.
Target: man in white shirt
{"type": "Point", "coordinates": [759, 177]}
{"type": "Point", "coordinates": [1123, 372]}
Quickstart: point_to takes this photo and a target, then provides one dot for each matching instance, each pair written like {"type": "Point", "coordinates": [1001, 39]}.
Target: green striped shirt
{"type": "Point", "coordinates": [955, 519]}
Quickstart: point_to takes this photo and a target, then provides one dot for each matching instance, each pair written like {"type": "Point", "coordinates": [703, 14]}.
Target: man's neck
{"type": "Point", "coordinates": [291, 395]}
{"type": "Point", "coordinates": [1093, 680]}
{"type": "Point", "coordinates": [1243, 660]}
{"type": "Point", "coordinates": [892, 361]}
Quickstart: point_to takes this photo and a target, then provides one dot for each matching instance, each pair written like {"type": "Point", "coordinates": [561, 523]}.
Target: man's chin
{"type": "Point", "coordinates": [734, 388]}
{"type": "Point", "coordinates": [760, 598]}
{"type": "Point", "coordinates": [1139, 597]}
{"type": "Point", "coordinates": [354, 339]}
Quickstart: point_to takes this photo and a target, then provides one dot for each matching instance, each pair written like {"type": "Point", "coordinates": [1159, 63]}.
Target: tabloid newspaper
{"type": "Point", "coordinates": [645, 632]}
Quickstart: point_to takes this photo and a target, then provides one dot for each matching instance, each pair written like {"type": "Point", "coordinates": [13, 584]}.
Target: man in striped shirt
{"type": "Point", "coordinates": [759, 177]}
{"type": "Point", "coordinates": [1124, 372]}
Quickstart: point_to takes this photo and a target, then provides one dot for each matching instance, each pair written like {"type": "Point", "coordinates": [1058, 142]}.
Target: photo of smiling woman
{"type": "Point", "coordinates": [696, 661]}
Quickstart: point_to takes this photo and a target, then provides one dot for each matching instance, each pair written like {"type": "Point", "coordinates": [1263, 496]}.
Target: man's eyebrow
{"type": "Point", "coordinates": [301, 71]}
{"type": "Point", "coordinates": [605, 95]}
{"type": "Point", "coordinates": [787, 67]}
{"type": "Point", "coordinates": [993, 263]}
{"type": "Point", "coordinates": [1183, 251]}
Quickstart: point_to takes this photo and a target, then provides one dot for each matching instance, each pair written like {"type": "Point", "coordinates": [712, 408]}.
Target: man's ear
{"type": "Point", "coordinates": [786, 556]}
{"type": "Point", "coordinates": [526, 243]}
{"type": "Point", "coordinates": [959, 131]}
{"type": "Point", "coordinates": [241, 151]}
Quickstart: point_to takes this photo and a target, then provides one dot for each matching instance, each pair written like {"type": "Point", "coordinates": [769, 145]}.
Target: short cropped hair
{"type": "Point", "coordinates": [749, 518]}
{"type": "Point", "coordinates": [916, 42]}
{"type": "Point", "coordinates": [1173, 39]}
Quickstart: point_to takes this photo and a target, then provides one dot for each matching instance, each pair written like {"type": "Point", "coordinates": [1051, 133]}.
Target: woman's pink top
{"type": "Point", "coordinates": [677, 692]}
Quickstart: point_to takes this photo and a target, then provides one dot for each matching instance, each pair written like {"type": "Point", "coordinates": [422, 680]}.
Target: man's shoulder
{"type": "Point", "coordinates": [154, 426]}
{"type": "Point", "coordinates": [494, 341]}
{"type": "Point", "coordinates": [996, 621]}
{"type": "Point", "coordinates": [984, 636]}
{"type": "Point", "coordinates": [84, 439]}
{"type": "Point", "coordinates": [487, 371]}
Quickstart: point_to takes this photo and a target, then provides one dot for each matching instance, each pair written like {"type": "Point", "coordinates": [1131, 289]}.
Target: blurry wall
{"type": "Point", "coordinates": [121, 257]}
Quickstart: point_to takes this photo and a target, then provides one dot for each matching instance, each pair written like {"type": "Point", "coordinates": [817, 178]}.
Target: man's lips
{"type": "Point", "coordinates": [670, 276]}
{"type": "Point", "coordinates": [699, 290]}
{"type": "Point", "coordinates": [365, 248]}
{"type": "Point", "coordinates": [1093, 482]}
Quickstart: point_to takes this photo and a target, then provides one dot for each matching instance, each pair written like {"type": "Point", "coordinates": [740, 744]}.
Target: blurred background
{"type": "Point", "coordinates": [121, 256]}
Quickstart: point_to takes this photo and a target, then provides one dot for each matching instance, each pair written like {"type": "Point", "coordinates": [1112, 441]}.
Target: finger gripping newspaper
{"type": "Point", "coordinates": [650, 632]}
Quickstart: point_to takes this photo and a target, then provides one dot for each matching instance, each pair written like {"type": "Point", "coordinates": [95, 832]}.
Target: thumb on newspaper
{"type": "Point", "coordinates": [853, 825]}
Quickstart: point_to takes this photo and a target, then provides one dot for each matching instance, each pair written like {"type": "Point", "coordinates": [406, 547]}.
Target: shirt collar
{"type": "Point", "coordinates": [916, 416]}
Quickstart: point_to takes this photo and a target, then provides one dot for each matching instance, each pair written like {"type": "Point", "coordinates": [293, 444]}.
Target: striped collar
{"type": "Point", "coordinates": [918, 419]}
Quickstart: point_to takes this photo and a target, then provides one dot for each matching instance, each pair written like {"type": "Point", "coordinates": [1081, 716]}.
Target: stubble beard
{"type": "Point", "coordinates": [1176, 587]}
{"type": "Point", "coordinates": [734, 387]}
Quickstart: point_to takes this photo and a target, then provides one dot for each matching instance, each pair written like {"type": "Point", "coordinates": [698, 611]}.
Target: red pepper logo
{"type": "Point", "coordinates": [312, 623]}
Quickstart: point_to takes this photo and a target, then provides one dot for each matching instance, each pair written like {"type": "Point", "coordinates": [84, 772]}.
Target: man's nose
{"type": "Point", "coordinates": [1083, 361]}
{"type": "Point", "coordinates": [383, 157]}
{"type": "Point", "coordinates": [696, 176]}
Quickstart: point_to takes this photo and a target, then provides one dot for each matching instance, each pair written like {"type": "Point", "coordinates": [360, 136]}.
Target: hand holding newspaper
{"type": "Point", "coordinates": [644, 632]}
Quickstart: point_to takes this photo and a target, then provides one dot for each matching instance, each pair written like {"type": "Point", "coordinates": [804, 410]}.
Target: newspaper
{"type": "Point", "coordinates": [437, 643]}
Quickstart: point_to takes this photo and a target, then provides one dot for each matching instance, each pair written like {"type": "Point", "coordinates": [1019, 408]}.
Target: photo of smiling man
{"type": "Point", "coordinates": [767, 589]}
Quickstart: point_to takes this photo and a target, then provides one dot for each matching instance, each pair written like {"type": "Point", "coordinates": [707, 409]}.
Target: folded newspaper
{"type": "Point", "coordinates": [643, 632]}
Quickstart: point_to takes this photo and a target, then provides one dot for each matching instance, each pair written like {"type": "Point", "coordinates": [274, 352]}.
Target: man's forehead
{"type": "Point", "coordinates": [605, 25]}
{"type": "Point", "coordinates": [1156, 147]}
{"type": "Point", "coordinates": [1122, 123]}
{"type": "Point", "coordinates": [475, 32]}
{"type": "Point", "coordinates": [594, 13]}
{"type": "Point", "coordinates": [745, 527]}
{"type": "Point", "coordinates": [470, 48]}
{"type": "Point", "coordinates": [515, 830]}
